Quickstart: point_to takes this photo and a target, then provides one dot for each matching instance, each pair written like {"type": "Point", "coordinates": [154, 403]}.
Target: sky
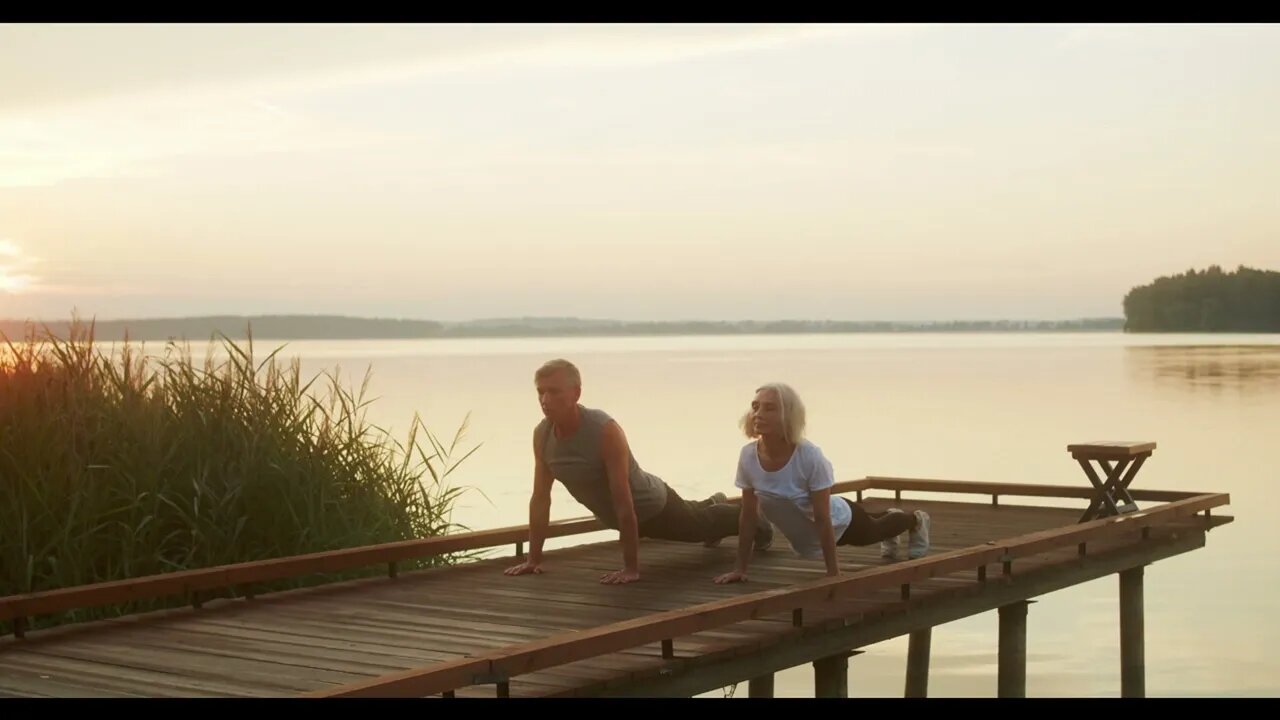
{"type": "Point", "coordinates": [637, 172]}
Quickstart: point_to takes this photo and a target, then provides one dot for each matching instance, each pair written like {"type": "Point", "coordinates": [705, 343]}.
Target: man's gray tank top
{"type": "Point", "coordinates": [578, 463]}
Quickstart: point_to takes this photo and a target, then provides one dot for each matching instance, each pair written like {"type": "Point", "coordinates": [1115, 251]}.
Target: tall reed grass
{"type": "Point", "coordinates": [115, 464]}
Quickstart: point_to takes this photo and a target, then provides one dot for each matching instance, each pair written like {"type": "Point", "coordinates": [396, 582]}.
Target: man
{"type": "Point", "coordinates": [587, 451]}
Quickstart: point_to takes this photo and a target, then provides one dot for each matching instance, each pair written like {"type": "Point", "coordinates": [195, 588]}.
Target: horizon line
{"type": "Point", "coordinates": [528, 318]}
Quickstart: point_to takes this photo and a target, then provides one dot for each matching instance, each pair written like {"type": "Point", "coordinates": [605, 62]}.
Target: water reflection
{"type": "Point", "coordinates": [1219, 367]}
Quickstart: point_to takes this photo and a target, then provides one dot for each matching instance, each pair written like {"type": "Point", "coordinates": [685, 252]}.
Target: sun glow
{"type": "Point", "coordinates": [13, 283]}
{"type": "Point", "coordinates": [12, 261]}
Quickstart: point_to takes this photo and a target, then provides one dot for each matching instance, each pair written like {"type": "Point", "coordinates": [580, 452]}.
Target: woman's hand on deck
{"type": "Point", "coordinates": [620, 577]}
{"type": "Point", "coordinates": [525, 568]}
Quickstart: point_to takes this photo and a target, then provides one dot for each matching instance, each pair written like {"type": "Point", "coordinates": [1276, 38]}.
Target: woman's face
{"type": "Point", "coordinates": [766, 414]}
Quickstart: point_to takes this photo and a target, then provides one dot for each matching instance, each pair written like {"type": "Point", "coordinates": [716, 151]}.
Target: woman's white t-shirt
{"type": "Point", "coordinates": [784, 495]}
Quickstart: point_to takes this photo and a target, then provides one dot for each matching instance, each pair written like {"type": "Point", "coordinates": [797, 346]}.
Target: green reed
{"type": "Point", "coordinates": [115, 464]}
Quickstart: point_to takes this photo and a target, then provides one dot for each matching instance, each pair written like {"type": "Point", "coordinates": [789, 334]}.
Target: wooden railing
{"type": "Point", "coordinates": [500, 665]}
{"type": "Point", "coordinates": [190, 583]}
{"type": "Point", "coordinates": [898, 485]}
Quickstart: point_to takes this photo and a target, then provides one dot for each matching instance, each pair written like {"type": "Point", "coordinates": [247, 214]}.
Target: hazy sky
{"type": "Point", "coordinates": [637, 172]}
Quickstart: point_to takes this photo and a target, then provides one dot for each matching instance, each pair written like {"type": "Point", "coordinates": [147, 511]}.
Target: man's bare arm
{"type": "Point", "coordinates": [617, 455]}
{"type": "Point", "coordinates": [539, 509]}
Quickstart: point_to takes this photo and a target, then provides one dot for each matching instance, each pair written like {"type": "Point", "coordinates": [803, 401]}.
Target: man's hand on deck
{"type": "Point", "coordinates": [620, 577]}
{"type": "Point", "coordinates": [525, 568]}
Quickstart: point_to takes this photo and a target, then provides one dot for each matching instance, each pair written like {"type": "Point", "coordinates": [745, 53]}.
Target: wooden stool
{"type": "Point", "coordinates": [1111, 497]}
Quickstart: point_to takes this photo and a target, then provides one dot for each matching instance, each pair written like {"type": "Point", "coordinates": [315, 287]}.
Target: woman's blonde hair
{"type": "Point", "coordinates": [792, 409]}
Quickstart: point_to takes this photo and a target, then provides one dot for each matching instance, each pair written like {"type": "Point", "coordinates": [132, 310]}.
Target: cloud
{"type": "Point", "coordinates": [60, 64]}
{"type": "Point", "coordinates": [1143, 38]}
{"type": "Point", "coordinates": [938, 151]}
{"type": "Point", "coordinates": [215, 112]}
{"type": "Point", "coordinates": [1098, 34]}
{"type": "Point", "coordinates": [123, 139]}
{"type": "Point", "coordinates": [96, 291]}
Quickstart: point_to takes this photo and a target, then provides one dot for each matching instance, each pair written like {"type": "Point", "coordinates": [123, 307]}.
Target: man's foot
{"type": "Point", "coordinates": [716, 499]}
{"type": "Point", "coordinates": [764, 534]}
{"type": "Point", "coordinates": [889, 546]}
{"type": "Point", "coordinates": [919, 537]}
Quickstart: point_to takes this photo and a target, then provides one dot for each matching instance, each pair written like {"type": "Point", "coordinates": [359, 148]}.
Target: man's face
{"type": "Point", "coordinates": [556, 395]}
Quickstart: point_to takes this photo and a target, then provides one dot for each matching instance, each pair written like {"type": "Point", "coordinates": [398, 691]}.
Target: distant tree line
{"type": "Point", "coordinates": [1246, 300]}
{"type": "Point", "coordinates": [237, 327]}
{"type": "Point", "coordinates": [330, 327]}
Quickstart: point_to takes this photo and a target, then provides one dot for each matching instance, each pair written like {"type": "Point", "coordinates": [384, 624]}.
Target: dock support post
{"type": "Point", "coordinates": [1132, 656]}
{"type": "Point", "coordinates": [918, 663]}
{"type": "Point", "coordinates": [760, 687]}
{"type": "Point", "coordinates": [831, 676]}
{"type": "Point", "coordinates": [1012, 681]}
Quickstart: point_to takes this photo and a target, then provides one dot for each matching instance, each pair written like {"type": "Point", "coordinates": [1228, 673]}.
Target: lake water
{"type": "Point", "coordinates": [989, 407]}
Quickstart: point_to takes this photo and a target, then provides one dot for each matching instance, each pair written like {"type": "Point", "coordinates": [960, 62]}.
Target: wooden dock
{"type": "Point", "coordinates": [469, 630]}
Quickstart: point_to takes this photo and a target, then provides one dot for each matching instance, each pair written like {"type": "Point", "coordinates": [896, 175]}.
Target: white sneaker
{"type": "Point", "coordinates": [919, 538]}
{"type": "Point", "coordinates": [889, 547]}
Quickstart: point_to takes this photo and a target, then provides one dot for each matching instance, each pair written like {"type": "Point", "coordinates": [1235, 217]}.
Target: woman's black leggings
{"type": "Point", "coordinates": [868, 527]}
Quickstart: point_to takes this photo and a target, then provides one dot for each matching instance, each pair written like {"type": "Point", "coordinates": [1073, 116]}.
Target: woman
{"type": "Point", "coordinates": [788, 479]}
